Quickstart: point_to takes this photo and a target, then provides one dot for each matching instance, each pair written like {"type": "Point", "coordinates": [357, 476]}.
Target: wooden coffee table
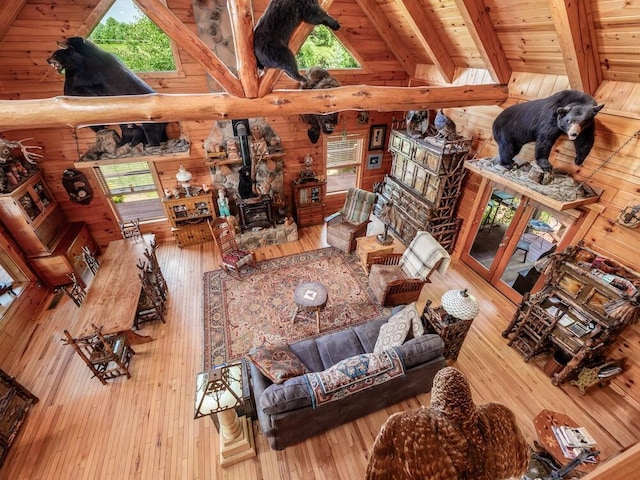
{"type": "Point", "coordinates": [310, 297]}
{"type": "Point", "coordinates": [543, 423]}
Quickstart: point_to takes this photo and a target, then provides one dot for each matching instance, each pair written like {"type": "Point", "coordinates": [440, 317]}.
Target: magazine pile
{"type": "Point", "coordinates": [573, 440]}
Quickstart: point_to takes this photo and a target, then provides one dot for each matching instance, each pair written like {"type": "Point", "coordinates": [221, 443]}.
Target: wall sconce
{"type": "Point", "coordinates": [184, 177]}
{"type": "Point", "coordinates": [220, 391]}
{"type": "Point", "coordinates": [629, 216]}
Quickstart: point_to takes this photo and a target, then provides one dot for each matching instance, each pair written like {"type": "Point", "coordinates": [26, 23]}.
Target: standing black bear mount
{"type": "Point", "coordinates": [90, 71]}
{"type": "Point", "coordinates": [274, 29]}
{"type": "Point", "coordinates": [569, 112]}
{"type": "Point", "coordinates": [319, 78]}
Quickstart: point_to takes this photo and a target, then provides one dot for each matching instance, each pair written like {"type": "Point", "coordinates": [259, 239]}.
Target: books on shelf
{"type": "Point", "coordinates": [573, 440]}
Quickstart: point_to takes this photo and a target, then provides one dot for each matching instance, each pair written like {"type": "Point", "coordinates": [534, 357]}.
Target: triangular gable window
{"type": "Point", "coordinates": [322, 48]}
{"type": "Point", "coordinates": [128, 33]}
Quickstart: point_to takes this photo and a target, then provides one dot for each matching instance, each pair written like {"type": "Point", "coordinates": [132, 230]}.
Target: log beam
{"type": "Point", "coordinates": [65, 111]}
{"type": "Point", "coordinates": [241, 16]}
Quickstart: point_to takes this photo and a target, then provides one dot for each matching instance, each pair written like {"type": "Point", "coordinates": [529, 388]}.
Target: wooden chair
{"type": "Point", "coordinates": [74, 290]}
{"type": "Point", "coordinates": [351, 222]}
{"type": "Point", "coordinates": [90, 259]}
{"type": "Point", "coordinates": [131, 229]}
{"type": "Point", "coordinates": [107, 356]}
{"type": "Point", "coordinates": [151, 304]}
{"type": "Point", "coordinates": [157, 277]}
{"type": "Point", "coordinates": [233, 258]}
{"type": "Point", "coordinates": [397, 279]}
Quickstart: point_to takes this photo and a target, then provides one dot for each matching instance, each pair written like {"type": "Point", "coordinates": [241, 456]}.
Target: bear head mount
{"type": "Point", "coordinates": [318, 78]}
{"type": "Point", "coordinates": [543, 121]}
{"type": "Point", "coordinates": [273, 32]}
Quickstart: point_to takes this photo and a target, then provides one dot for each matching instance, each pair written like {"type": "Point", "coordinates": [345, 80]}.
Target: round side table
{"type": "Point", "coordinates": [310, 297]}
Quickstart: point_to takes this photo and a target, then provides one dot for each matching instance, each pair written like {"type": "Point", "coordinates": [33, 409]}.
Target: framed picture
{"type": "Point", "coordinates": [377, 135]}
{"type": "Point", "coordinates": [374, 160]}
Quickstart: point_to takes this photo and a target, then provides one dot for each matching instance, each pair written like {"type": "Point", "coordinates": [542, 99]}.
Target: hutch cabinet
{"type": "Point", "coordinates": [188, 217]}
{"type": "Point", "coordinates": [15, 402]}
{"type": "Point", "coordinates": [308, 202]}
{"type": "Point", "coordinates": [583, 307]}
{"type": "Point", "coordinates": [37, 223]}
{"type": "Point", "coordinates": [424, 186]}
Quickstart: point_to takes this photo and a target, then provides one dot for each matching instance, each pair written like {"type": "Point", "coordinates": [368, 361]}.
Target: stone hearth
{"type": "Point", "coordinates": [262, 237]}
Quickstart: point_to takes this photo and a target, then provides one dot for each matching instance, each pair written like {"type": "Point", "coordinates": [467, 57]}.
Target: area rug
{"type": "Point", "coordinates": [241, 314]}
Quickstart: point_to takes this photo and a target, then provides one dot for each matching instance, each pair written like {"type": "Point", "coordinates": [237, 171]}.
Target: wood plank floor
{"type": "Point", "coordinates": [143, 428]}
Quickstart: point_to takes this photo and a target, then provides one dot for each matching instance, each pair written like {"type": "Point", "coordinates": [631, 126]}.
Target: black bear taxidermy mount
{"type": "Point", "coordinates": [92, 72]}
{"type": "Point", "coordinates": [274, 29]}
{"type": "Point", "coordinates": [319, 78]}
{"type": "Point", "coordinates": [569, 112]}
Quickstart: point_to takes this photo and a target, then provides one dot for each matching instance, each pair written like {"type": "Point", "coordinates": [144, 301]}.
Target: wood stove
{"type": "Point", "coordinates": [255, 212]}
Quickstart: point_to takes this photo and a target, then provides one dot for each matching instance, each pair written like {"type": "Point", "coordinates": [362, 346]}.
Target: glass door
{"type": "Point", "coordinates": [511, 234]}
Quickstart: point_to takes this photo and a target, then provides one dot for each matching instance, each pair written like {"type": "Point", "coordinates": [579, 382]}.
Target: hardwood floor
{"type": "Point", "coordinates": [143, 427]}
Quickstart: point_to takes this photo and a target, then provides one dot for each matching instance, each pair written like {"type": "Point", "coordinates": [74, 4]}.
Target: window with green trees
{"type": "Point", "coordinates": [322, 48]}
{"type": "Point", "coordinates": [139, 43]}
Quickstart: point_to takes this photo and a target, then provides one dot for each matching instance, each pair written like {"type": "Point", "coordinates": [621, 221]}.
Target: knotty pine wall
{"type": "Point", "coordinates": [618, 177]}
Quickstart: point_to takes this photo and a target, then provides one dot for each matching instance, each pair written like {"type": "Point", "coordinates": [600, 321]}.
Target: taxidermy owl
{"type": "Point", "coordinates": [453, 439]}
{"type": "Point", "coordinates": [445, 126]}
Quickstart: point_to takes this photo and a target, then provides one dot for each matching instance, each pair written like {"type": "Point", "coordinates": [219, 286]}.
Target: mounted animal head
{"type": "Point", "coordinates": [319, 78]}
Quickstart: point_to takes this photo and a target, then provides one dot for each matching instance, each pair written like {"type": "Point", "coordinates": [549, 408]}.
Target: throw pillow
{"type": "Point", "coordinates": [277, 362]}
{"type": "Point", "coordinates": [394, 332]}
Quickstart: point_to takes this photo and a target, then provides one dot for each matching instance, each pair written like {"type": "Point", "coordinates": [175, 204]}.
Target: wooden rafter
{"type": "Point", "coordinates": [386, 31]}
{"type": "Point", "coordinates": [426, 34]}
{"type": "Point", "coordinates": [241, 16]}
{"type": "Point", "coordinates": [574, 23]}
{"type": "Point", "coordinates": [189, 41]}
{"type": "Point", "coordinates": [300, 34]}
{"type": "Point", "coordinates": [79, 111]}
{"type": "Point", "coordinates": [479, 25]}
{"type": "Point", "coordinates": [8, 13]}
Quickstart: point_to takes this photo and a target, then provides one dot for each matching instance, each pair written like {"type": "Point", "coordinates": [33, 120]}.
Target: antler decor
{"type": "Point", "coordinates": [7, 146]}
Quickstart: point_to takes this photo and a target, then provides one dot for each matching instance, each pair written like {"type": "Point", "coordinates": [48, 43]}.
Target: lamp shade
{"type": "Point", "coordinates": [218, 390]}
{"type": "Point", "coordinates": [183, 175]}
{"type": "Point", "coordinates": [459, 304]}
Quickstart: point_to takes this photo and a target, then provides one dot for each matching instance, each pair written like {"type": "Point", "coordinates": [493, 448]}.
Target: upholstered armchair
{"type": "Point", "coordinates": [351, 222]}
{"type": "Point", "coordinates": [397, 279]}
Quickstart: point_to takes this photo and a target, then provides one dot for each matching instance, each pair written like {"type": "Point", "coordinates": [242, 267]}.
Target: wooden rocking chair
{"type": "Point", "coordinates": [233, 258]}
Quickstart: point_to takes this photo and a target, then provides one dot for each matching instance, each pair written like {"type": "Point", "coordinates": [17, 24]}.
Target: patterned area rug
{"type": "Point", "coordinates": [241, 314]}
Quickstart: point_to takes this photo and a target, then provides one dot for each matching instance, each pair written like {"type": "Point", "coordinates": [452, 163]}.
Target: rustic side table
{"type": "Point", "coordinates": [310, 297]}
{"type": "Point", "coordinates": [369, 247]}
{"type": "Point", "coordinates": [452, 333]}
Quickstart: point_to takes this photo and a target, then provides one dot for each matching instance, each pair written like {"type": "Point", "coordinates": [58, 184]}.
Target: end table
{"type": "Point", "coordinates": [436, 320]}
{"type": "Point", "coordinates": [369, 247]}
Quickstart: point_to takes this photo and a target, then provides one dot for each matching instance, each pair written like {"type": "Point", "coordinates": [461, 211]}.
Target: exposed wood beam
{"type": "Point", "coordinates": [300, 34]}
{"type": "Point", "coordinates": [386, 31]}
{"type": "Point", "coordinates": [189, 41]}
{"type": "Point", "coordinates": [424, 31]}
{"type": "Point", "coordinates": [65, 111]}
{"type": "Point", "coordinates": [478, 23]}
{"type": "Point", "coordinates": [9, 10]}
{"type": "Point", "coordinates": [241, 16]}
{"type": "Point", "coordinates": [573, 21]}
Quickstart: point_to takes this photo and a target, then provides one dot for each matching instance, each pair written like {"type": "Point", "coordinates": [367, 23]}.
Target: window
{"type": "Point", "coordinates": [344, 160]}
{"type": "Point", "coordinates": [322, 48]}
{"type": "Point", "coordinates": [132, 190]}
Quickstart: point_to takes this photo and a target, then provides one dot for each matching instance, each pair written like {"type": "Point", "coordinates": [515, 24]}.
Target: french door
{"type": "Point", "coordinates": [509, 234]}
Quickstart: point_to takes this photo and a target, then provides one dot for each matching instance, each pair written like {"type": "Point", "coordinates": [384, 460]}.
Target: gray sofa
{"type": "Point", "coordinates": [285, 412]}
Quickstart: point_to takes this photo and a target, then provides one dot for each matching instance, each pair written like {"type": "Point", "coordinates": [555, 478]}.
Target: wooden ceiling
{"type": "Point", "coordinates": [400, 43]}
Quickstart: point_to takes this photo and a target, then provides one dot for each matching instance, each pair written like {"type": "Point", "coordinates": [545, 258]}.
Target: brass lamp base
{"type": "Point", "coordinates": [237, 447]}
{"type": "Point", "coordinates": [384, 239]}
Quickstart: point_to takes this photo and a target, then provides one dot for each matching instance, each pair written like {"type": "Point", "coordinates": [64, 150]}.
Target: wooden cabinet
{"type": "Point", "coordinates": [424, 186]}
{"type": "Point", "coordinates": [308, 202]}
{"type": "Point", "coordinates": [15, 402]}
{"type": "Point", "coordinates": [33, 216]}
{"type": "Point", "coordinates": [580, 311]}
{"type": "Point", "coordinates": [188, 217]}
{"type": "Point", "coordinates": [66, 256]}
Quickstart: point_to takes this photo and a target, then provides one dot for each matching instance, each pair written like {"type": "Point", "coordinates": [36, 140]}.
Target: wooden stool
{"type": "Point", "coordinates": [310, 297]}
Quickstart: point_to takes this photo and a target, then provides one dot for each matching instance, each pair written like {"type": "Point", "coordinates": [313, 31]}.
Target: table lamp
{"type": "Point", "coordinates": [219, 391]}
{"type": "Point", "coordinates": [459, 305]}
{"type": "Point", "coordinates": [387, 216]}
{"type": "Point", "coordinates": [184, 177]}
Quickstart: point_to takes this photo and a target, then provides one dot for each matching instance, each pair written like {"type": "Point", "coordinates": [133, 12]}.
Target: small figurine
{"type": "Point", "coordinates": [307, 175]}
{"type": "Point", "coordinates": [205, 188]}
{"type": "Point", "coordinates": [167, 192]}
{"type": "Point", "coordinates": [176, 193]}
{"type": "Point", "coordinates": [223, 204]}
